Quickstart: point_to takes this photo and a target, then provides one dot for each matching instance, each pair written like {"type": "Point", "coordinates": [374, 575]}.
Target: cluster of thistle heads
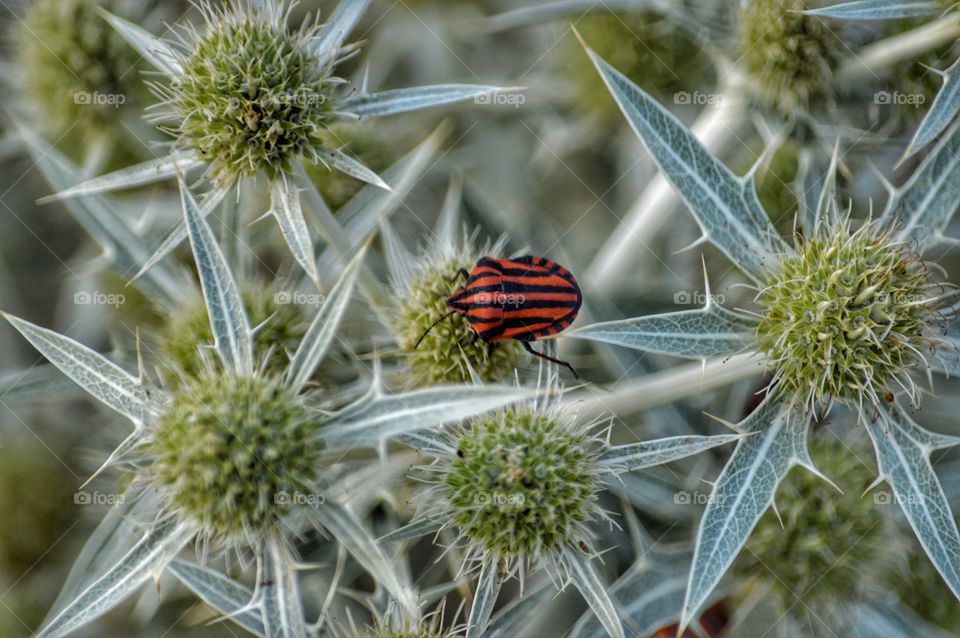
{"type": "Point", "coordinates": [309, 417]}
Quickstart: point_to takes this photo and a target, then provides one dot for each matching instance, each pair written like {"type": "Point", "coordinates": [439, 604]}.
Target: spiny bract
{"type": "Point", "coordinates": [251, 95]}
{"type": "Point", "coordinates": [845, 316]}
{"type": "Point", "coordinates": [825, 544]}
{"type": "Point", "coordinates": [789, 54]}
{"type": "Point", "coordinates": [445, 352]}
{"type": "Point", "coordinates": [229, 452]}
{"type": "Point", "coordinates": [280, 327]}
{"type": "Point", "coordinates": [522, 484]}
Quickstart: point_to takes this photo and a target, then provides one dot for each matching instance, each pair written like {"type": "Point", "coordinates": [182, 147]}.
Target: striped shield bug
{"type": "Point", "coordinates": [524, 299]}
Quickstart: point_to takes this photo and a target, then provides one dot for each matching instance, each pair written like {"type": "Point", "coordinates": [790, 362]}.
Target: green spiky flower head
{"type": "Point", "coordinates": [233, 452]}
{"type": "Point", "coordinates": [846, 315]}
{"type": "Point", "coordinates": [522, 484]}
{"type": "Point", "coordinates": [790, 55]}
{"type": "Point", "coordinates": [80, 75]}
{"type": "Point", "coordinates": [251, 96]}
{"type": "Point", "coordinates": [280, 325]}
{"type": "Point", "coordinates": [450, 349]}
{"type": "Point", "coordinates": [827, 545]}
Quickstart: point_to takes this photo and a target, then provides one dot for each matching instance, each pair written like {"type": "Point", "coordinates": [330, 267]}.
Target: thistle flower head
{"type": "Point", "coordinates": [251, 95]}
{"type": "Point", "coordinates": [519, 485]}
{"type": "Point", "coordinates": [280, 327]}
{"type": "Point", "coordinates": [79, 71]}
{"type": "Point", "coordinates": [229, 451]}
{"type": "Point", "coordinates": [789, 54]}
{"type": "Point", "coordinates": [846, 316]}
{"type": "Point", "coordinates": [448, 352]}
{"type": "Point", "coordinates": [826, 544]}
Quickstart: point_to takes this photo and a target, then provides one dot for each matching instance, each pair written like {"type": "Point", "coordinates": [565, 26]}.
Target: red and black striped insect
{"type": "Point", "coordinates": [525, 299]}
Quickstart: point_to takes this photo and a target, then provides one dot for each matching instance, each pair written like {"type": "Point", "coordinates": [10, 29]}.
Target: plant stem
{"type": "Point", "coordinates": [875, 59]}
{"type": "Point", "coordinates": [654, 390]}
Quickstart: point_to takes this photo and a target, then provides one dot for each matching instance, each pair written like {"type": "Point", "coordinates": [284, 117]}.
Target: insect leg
{"type": "Point", "coordinates": [460, 273]}
{"type": "Point", "coordinates": [529, 348]}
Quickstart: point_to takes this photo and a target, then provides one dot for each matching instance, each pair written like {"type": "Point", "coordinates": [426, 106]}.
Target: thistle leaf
{"type": "Point", "coordinates": [353, 168]}
{"type": "Point", "coordinates": [113, 537]}
{"type": "Point", "coordinates": [38, 382]}
{"type": "Point", "coordinates": [413, 98]}
{"type": "Point", "coordinates": [281, 610]}
{"type": "Point", "coordinates": [147, 558]}
{"type": "Point", "coordinates": [488, 589]}
{"type": "Point", "coordinates": [157, 52]}
{"type": "Point", "coordinates": [903, 456]}
{"type": "Point", "coordinates": [322, 330]}
{"type": "Point", "coordinates": [285, 206]}
{"type": "Point", "coordinates": [155, 170]}
{"type": "Point", "coordinates": [636, 456]}
{"type": "Point", "coordinates": [356, 538]}
{"type": "Point", "coordinates": [225, 595]}
{"type": "Point", "coordinates": [103, 222]}
{"type": "Point", "coordinates": [100, 377]}
{"type": "Point", "coordinates": [878, 9]}
{"type": "Point", "coordinates": [512, 618]}
{"type": "Point", "coordinates": [228, 319]}
{"type": "Point", "coordinates": [725, 206]}
{"type": "Point", "coordinates": [695, 334]}
{"type": "Point", "coordinates": [542, 12]}
{"type": "Point", "coordinates": [168, 244]}
{"type": "Point", "coordinates": [419, 527]}
{"type": "Point", "coordinates": [378, 417]}
{"type": "Point", "coordinates": [584, 577]}
{"type": "Point", "coordinates": [334, 31]}
{"type": "Point", "coordinates": [921, 209]}
{"type": "Point", "coordinates": [742, 493]}
{"type": "Point", "coordinates": [943, 111]}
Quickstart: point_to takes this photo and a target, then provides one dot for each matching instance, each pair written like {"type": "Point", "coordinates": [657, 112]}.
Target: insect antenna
{"type": "Point", "coordinates": [432, 326]}
{"type": "Point", "coordinates": [526, 346]}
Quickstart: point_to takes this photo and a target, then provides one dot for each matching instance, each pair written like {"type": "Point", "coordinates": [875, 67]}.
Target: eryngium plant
{"type": "Point", "coordinates": [520, 489]}
{"type": "Point", "coordinates": [241, 458]}
{"type": "Point", "coordinates": [845, 315]}
{"type": "Point", "coordinates": [247, 94]}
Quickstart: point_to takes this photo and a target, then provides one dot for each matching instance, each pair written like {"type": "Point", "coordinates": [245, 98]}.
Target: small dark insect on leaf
{"type": "Point", "coordinates": [583, 547]}
{"type": "Point", "coordinates": [888, 396]}
{"type": "Point", "coordinates": [460, 453]}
